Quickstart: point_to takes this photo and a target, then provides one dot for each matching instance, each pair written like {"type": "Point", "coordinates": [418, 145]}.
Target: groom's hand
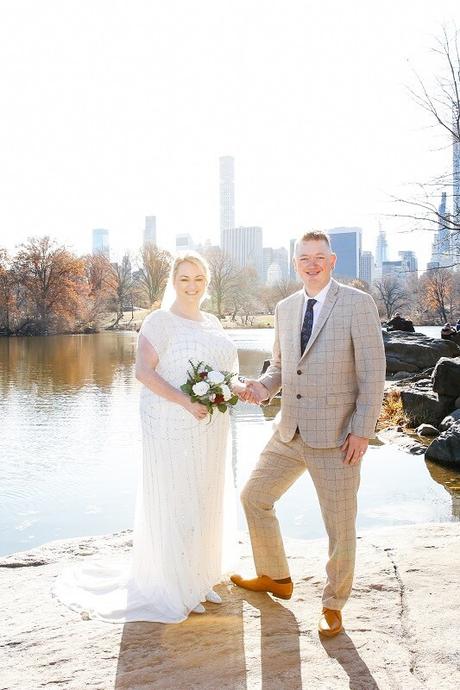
{"type": "Point", "coordinates": [354, 448]}
{"type": "Point", "coordinates": [255, 392]}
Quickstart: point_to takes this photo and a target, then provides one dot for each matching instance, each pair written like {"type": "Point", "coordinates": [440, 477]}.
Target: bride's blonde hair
{"type": "Point", "coordinates": [193, 258]}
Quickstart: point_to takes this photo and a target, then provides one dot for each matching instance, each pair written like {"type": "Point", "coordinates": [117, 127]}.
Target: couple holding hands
{"type": "Point", "coordinates": [329, 359]}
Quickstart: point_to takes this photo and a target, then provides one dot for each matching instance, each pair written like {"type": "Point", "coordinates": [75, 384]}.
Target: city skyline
{"type": "Point", "coordinates": [125, 116]}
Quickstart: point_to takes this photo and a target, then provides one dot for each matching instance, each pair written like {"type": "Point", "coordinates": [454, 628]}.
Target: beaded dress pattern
{"type": "Point", "coordinates": [184, 533]}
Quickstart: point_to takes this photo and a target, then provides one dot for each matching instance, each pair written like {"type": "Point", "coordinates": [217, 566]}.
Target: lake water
{"type": "Point", "coordinates": [70, 446]}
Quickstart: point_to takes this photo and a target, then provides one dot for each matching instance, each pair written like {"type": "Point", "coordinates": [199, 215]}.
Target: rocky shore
{"type": "Point", "coordinates": [402, 625]}
{"type": "Point", "coordinates": [425, 374]}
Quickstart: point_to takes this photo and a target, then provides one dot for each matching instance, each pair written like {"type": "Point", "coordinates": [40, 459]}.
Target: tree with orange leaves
{"type": "Point", "coordinates": [102, 285]}
{"type": "Point", "coordinates": [7, 302]}
{"type": "Point", "coordinates": [439, 294]}
{"type": "Point", "coordinates": [53, 286]}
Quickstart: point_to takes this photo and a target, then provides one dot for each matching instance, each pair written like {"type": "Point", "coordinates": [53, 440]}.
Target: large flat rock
{"type": "Point", "coordinates": [413, 352]}
{"type": "Point", "coordinates": [402, 625]}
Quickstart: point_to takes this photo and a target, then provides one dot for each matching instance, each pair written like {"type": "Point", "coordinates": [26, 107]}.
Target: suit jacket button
{"type": "Point", "coordinates": [299, 371]}
{"type": "Point", "coordinates": [298, 396]}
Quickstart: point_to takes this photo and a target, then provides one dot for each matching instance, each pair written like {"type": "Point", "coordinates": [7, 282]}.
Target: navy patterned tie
{"type": "Point", "coordinates": [307, 325]}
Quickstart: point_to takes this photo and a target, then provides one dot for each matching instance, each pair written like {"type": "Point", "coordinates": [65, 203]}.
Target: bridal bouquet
{"type": "Point", "coordinates": [209, 387]}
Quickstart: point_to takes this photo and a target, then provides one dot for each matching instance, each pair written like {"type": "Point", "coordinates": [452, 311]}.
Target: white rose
{"type": "Point", "coordinates": [200, 388]}
{"type": "Point", "coordinates": [226, 392]}
{"type": "Point", "coordinates": [216, 377]}
{"type": "Point", "coordinates": [212, 397]}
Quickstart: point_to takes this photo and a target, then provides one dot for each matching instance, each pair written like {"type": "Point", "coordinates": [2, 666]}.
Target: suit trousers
{"type": "Point", "coordinates": [336, 484]}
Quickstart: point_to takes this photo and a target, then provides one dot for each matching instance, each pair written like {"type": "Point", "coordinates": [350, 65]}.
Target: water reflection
{"type": "Point", "coordinates": [450, 480]}
{"type": "Point", "coordinates": [52, 364]}
{"type": "Point", "coordinates": [70, 446]}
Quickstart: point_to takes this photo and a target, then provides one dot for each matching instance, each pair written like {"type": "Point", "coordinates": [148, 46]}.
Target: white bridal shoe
{"type": "Point", "coordinates": [199, 608]}
{"type": "Point", "coordinates": [213, 597]}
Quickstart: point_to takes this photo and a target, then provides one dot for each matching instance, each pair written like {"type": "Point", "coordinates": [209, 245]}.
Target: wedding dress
{"type": "Point", "coordinates": [185, 524]}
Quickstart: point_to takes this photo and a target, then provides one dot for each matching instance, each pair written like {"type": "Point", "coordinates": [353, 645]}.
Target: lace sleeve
{"type": "Point", "coordinates": [214, 320]}
{"type": "Point", "coordinates": [155, 328]}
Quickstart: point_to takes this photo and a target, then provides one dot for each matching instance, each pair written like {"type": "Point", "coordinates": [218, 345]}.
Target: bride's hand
{"type": "Point", "coordinates": [198, 410]}
{"type": "Point", "coordinates": [237, 387]}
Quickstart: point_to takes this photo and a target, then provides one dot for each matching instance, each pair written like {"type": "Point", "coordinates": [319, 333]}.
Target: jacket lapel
{"type": "Point", "coordinates": [331, 299]}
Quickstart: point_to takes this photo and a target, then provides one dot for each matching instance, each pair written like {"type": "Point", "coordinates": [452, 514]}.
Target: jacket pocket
{"type": "Point", "coordinates": [348, 398]}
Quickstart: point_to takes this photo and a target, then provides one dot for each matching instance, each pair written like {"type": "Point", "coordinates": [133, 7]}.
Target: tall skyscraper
{"type": "Point", "coordinates": [441, 250]}
{"type": "Point", "coordinates": [244, 246]}
{"type": "Point", "coordinates": [292, 272]}
{"type": "Point", "coordinates": [455, 237]}
{"type": "Point", "coordinates": [456, 172]}
{"type": "Point", "coordinates": [227, 193]}
{"type": "Point", "coordinates": [381, 252]}
{"type": "Point", "coordinates": [346, 243]}
{"type": "Point", "coordinates": [150, 230]}
{"type": "Point", "coordinates": [366, 267]}
{"type": "Point", "coordinates": [101, 242]}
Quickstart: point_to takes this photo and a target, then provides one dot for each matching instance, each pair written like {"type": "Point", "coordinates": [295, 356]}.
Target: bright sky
{"type": "Point", "coordinates": [113, 110]}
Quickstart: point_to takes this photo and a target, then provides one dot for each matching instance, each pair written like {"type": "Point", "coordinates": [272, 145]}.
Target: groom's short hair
{"type": "Point", "coordinates": [317, 235]}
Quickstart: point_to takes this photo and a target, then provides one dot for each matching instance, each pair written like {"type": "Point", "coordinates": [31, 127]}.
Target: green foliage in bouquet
{"type": "Point", "coordinates": [209, 387]}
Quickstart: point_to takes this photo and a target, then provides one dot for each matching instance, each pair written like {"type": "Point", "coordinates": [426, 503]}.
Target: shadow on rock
{"type": "Point", "coordinates": [279, 643]}
{"type": "Point", "coordinates": [342, 649]}
{"type": "Point", "coordinates": [205, 651]}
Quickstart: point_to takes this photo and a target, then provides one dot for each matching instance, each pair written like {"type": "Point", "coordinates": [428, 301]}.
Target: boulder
{"type": "Point", "coordinates": [446, 447]}
{"type": "Point", "coordinates": [424, 406]}
{"type": "Point", "coordinates": [455, 338]}
{"type": "Point", "coordinates": [413, 352]}
{"type": "Point", "coordinates": [401, 375]}
{"type": "Point", "coordinates": [451, 418]}
{"type": "Point", "coordinates": [446, 377]}
{"type": "Point", "coordinates": [427, 430]}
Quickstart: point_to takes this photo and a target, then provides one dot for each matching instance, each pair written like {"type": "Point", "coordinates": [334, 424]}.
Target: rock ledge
{"type": "Point", "coordinates": [402, 625]}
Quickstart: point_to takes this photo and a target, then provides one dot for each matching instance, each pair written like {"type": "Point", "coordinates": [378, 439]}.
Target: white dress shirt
{"type": "Point", "coordinates": [320, 299]}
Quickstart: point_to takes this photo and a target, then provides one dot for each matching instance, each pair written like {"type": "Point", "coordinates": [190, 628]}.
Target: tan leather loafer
{"type": "Point", "coordinates": [263, 583]}
{"type": "Point", "coordinates": [330, 623]}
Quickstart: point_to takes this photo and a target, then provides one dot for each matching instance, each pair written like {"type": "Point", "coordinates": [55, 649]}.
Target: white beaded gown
{"type": "Point", "coordinates": [185, 526]}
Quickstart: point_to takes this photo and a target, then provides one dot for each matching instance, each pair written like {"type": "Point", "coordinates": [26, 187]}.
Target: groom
{"type": "Point", "coordinates": [329, 358]}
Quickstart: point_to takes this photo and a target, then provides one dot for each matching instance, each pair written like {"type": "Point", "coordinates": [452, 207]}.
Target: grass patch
{"type": "Point", "coordinates": [392, 412]}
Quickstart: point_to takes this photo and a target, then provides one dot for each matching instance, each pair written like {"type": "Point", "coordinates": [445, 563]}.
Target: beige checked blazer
{"type": "Point", "coordinates": [336, 386]}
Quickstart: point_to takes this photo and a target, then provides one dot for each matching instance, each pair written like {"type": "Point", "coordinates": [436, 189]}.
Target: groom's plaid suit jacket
{"type": "Point", "coordinates": [336, 386]}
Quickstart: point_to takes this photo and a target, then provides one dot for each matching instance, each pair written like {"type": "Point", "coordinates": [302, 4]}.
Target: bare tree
{"type": "Point", "coordinates": [153, 271]}
{"type": "Point", "coordinates": [244, 297]}
{"type": "Point", "coordinates": [438, 290]}
{"type": "Point", "coordinates": [123, 282]}
{"type": "Point", "coordinates": [442, 103]}
{"type": "Point", "coordinates": [284, 288]}
{"type": "Point", "coordinates": [224, 278]}
{"type": "Point", "coordinates": [270, 295]}
{"type": "Point", "coordinates": [390, 295]}
{"type": "Point", "coordinates": [358, 283]}
{"type": "Point", "coordinates": [268, 298]}
{"type": "Point", "coordinates": [6, 293]}
{"type": "Point", "coordinates": [101, 281]}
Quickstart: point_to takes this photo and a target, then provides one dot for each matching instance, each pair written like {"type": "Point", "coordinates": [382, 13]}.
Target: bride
{"type": "Point", "coordinates": [180, 538]}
